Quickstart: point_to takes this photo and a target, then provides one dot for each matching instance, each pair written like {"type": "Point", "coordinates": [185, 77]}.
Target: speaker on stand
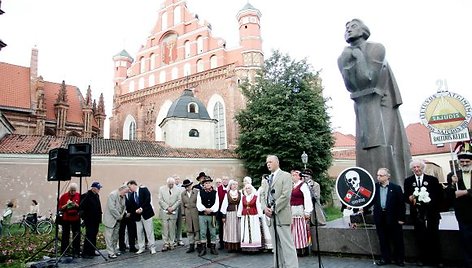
{"type": "Point", "coordinates": [80, 158]}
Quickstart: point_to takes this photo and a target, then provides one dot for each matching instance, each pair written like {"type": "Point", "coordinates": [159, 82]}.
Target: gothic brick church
{"type": "Point", "coordinates": [33, 106]}
{"type": "Point", "coordinates": [181, 62]}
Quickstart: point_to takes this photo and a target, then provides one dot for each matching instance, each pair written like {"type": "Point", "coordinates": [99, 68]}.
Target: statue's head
{"type": "Point", "coordinates": [356, 29]}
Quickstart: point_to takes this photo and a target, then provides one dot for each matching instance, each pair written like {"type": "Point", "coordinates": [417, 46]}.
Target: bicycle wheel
{"type": "Point", "coordinates": [17, 229]}
{"type": "Point", "coordinates": [44, 227]}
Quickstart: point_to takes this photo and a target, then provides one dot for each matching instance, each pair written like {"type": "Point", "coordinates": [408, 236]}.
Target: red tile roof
{"type": "Point", "coordinates": [14, 86]}
{"type": "Point", "coordinates": [74, 98]}
{"type": "Point", "coordinates": [344, 140]}
{"type": "Point", "coordinates": [27, 144]}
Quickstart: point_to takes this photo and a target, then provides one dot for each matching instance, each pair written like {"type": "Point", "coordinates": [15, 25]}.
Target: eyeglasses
{"type": "Point", "coordinates": [381, 175]}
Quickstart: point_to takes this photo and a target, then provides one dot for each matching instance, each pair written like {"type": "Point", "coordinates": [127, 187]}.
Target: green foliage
{"type": "Point", "coordinates": [332, 213]}
{"type": "Point", "coordinates": [286, 115]}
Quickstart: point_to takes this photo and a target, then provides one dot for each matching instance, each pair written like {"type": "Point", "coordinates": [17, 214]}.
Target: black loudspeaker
{"type": "Point", "coordinates": [80, 159]}
{"type": "Point", "coordinates": [58, 167]}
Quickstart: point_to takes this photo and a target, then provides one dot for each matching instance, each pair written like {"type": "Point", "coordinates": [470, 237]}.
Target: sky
{"type": "Point", "coordinates": [425, 41]}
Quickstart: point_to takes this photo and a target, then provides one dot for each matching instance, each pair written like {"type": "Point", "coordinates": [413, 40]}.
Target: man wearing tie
{"type": "Point", "coordinates": [169, 202]}
{"type": "Point", "coordinates": [425, 215]}
{"type": "Point", "coordinates": [275, 201]}
{"type": "Point", "coordinates": [459, 190]}
{"type": "Point", "coordinates": [140, 207]}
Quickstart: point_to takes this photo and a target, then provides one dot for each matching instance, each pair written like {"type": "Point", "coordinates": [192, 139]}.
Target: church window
{"type": "Point", "coordinates": [200, 67]}
{"type": "Point", "coordinates": [199, 45]}
{"type": "Point", "coordinates": [220, 128]}
{"type": "Point", "coordinates": [142, 65]}
{"type": "Point", "coordinates": [175, 73]}
{"type": "Point", "coordinates": [193, 133]}
{"type": "Point", "coordinates": [153, 61]}
{"type": "Point", "coordinates": [162, 77]}
{"type": "Point", "coordinates": [141, 83]}
{"type": "Point", "coordinates": [187, 70]}
{"type": "Point", "coordinates": [132, 131]}
{"type": "Point", "coordinates": [164, 21]}
{"type": "Point", "coordinates": [152, 80]}
{"type": "Point", "coordinates": [131, 86]}
{"type": "Point", "coordinates": [187, 49]}
{"type": "Point", "coordinates": [193, 108]}
{"type": "Point", "coordinates": [213, 62]}
{"type": "Point", "coordinates": [177, 15]}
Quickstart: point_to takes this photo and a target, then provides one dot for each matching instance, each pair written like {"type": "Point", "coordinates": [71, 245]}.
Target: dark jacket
{"type": "Point", "coordinates": [90, 208]}
{"type": "Point", "coordinates": [463, 204]}
{"type": "Point", "coordinates": [144, 203]}
{"type": "Point", "coordinates": [394, 205]}
{"type": "Point", "coordinates": [435, 193]}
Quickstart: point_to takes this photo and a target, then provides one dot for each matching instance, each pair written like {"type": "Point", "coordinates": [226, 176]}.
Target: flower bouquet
{"type": "Point", "coordinates": [422, 198]}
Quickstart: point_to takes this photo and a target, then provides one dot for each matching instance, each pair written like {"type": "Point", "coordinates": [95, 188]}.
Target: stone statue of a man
{"type": "Point", "coordinates": [380, 135]}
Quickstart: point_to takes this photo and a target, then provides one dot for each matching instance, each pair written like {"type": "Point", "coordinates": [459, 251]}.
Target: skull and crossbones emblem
{"type": "Point", "coordinates": [353, 180]}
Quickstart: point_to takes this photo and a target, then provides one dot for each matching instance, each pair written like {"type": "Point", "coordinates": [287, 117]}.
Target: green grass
{"type": "Point", "coordinates": [332, 213]}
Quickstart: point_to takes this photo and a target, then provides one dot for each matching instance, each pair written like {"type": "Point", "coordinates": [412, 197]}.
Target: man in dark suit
{"type": "Point", "coordinates": [389, 216]}
{"type": "Point", "coordinates": [140, 207]}
{"type": "Point", "coordinates": [130, 225]}
{"type": "Point", "coordinates": [459, 190]}
{"type": "Point", "coordinates": [425, 215]}
{"type": "Point", "coordinates": [90, 210]}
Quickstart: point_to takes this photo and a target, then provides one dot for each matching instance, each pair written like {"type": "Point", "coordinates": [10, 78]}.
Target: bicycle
{"type": "Point", "coordinates": [41, 227]}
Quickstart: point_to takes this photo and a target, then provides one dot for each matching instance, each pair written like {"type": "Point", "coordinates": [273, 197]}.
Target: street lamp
{"type": "Point", "coordinates": [304, 158]}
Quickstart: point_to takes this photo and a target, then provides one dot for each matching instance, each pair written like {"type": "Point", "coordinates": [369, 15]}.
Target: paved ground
{"type": "Point", "coordinates": [178, 258]}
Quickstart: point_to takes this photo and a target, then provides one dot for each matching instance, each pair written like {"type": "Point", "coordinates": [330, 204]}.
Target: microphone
{"type": "Point", "coordinates": [272, 191]}
{"type": "Point", "coordinates": [265, 177]}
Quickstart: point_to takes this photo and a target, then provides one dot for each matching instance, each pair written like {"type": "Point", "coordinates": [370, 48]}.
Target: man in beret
{"type": "Point", "coordinates": [459, 190]}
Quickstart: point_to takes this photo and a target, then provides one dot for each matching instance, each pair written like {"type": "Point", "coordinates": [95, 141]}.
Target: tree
{"type": "Point", "coordinates": [285, 115]}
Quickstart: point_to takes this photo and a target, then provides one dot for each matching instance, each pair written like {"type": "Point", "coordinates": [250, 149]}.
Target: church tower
{"type": "Point", "coordinates": [250, 40]}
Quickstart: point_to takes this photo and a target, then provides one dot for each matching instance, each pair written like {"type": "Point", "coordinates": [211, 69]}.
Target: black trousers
{"type": "Point", "coordinates": [67, 226]}
{"type": "Point", "coordinates": [427, 241]}
{"type": "Point", "coordinates": [90, 241]}
{"type": "Point", "coordinates": [390, 234]}
{"type": "Point", "coordinates": [219, 221]}
{"type": "Point", "coordinates": [127, 223]}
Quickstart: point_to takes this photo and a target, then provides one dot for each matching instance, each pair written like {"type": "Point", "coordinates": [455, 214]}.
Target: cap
{"type": "Point", "coordinates": [464, 150]}
{"type": "Point", "coordinates": [96, 184]}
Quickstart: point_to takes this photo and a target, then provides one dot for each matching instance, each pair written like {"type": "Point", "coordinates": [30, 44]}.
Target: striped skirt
{"type": "Point", "coordinates": [232, 231]}
{"type": "Point", "coordinates": [299, 229]}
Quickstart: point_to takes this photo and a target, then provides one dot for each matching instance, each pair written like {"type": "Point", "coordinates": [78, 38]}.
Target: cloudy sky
{"type": "Point", "coordinates": [425, 40]}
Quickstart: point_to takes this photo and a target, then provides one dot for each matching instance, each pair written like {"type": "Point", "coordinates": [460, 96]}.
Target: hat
{"type": "Point", "coordinates": [96, 184]}
{"type": "Point", "coordinates": [206, 178]}
{"type": "Point", "coordinates": [186, 183]}
{"type": "Point", "coordinates": [464, 150]}
{"type": "Point", "coordinates": [307, 171]}
{"type": "Point", "coordinates": [202, 174]}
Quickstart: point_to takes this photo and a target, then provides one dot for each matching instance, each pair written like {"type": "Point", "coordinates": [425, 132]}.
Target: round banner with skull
{"type": "Point", "coordinates": [355, 187]}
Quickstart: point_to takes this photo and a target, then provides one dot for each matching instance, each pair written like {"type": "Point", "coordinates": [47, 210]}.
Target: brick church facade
{"type": "Point", "coordinates": [181, 54]}
{"type": "Point", "coordinates": [33, 106]}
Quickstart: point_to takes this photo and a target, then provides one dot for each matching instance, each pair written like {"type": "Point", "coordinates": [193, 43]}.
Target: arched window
{"type": "Point", "coordinates": [142, 65]}
{"type": "Point", "coordinates": [193, 133]}
{"type": "Point", "coordinates": [200, 67]}
{"type": "Point", "coordinates": [177, 16]}
{"type": "Point", "coordinates": [162, 77]}
{"type": "Point", "coordinates": [129, 128]}
{"type": "Point", "coordinates": [152, 80]}
{"type": "Point", "coordinates": [213, 62]}
{"type": "Point", "coordinates": [175, 73]}
{"type": "Point", "coordinates": [153, 61]}
{"type": "Point", "coordinates": [199, 45]}
{"type": "Point", "coordinates": [164, 21]}
{"type": "Point", "coordinates": [193, 108]}
{"type": "Point", "coordinates": [187, 49]}
{"type": "Point", "coordinates": [187, 70]}
{"type": "Point", "coordinates": [141, 83]}
{"type": "Point", "coordinates": [131, 86]}
{"type": "Point", "coordinates": [220, 128]}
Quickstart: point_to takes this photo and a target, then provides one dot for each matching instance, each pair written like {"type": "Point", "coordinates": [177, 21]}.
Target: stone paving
{"type": "Point", "coordinates": [178, 258]}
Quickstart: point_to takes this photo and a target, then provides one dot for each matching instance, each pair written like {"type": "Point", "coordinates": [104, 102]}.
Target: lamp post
{"type": "Point", "coordinates": [304, 158]}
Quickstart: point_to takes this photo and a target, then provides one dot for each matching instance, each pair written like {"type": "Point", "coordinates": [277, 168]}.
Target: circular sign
{"type": "Point", "coordinates": [355, 187]}
{"type": "Point", "coordinates": [445, 113]}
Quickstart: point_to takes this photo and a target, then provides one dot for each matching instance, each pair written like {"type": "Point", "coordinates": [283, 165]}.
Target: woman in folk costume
{"type": "Point", "coordinates": [229, 209]}
{"type": "Point", "coordinates": [250, 212]}
{"type": "Point", "coordinates": [302, 206]}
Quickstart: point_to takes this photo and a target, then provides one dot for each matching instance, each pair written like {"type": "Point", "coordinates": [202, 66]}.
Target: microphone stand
{"type": "Point", "coordinates": [313, 200]}
{"type": "Point", "coordinates": [276, 237]}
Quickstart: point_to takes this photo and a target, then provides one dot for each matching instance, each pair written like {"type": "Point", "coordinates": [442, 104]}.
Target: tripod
{"type": "Point", "coordinates": [56, 233]}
